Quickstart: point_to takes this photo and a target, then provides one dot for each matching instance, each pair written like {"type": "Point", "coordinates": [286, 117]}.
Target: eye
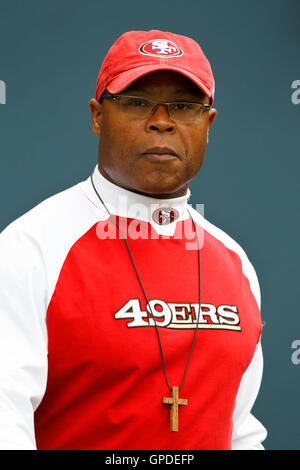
{"type": "Point", "coordinates": [181, 106]}
{"type": "Point", "coordinates": [136, 102]}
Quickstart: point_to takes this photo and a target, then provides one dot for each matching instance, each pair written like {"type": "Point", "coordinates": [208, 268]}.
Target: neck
{"type": "Point", "coordinates": [182, 191]}
{"type": "Point", "coordinates": [127, 203]}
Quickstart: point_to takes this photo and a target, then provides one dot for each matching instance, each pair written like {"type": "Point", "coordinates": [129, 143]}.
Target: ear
{"type": "Point", "coordinates": [96, 115]}
{"type": "Point", "coordinates": [212, 113]}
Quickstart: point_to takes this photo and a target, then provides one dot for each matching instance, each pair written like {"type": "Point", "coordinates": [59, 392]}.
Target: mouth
{"type": "Point", "coordinates": [160, 154]}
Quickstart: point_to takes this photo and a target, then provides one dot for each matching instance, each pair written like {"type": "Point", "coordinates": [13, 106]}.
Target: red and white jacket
{"type": "Point", "coordinates": [80, 359]}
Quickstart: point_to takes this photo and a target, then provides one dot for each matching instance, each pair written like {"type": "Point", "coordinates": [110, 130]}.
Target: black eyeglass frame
{"type": "Point", "coordinates": [202, 106]}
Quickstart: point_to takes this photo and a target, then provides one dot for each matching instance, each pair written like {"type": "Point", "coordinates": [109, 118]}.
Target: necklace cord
{"type": "Point", "coordinates": [148, 303]}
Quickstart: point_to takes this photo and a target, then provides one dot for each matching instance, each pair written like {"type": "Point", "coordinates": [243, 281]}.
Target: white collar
{"type": "Point", "coordinates": [126, 203]}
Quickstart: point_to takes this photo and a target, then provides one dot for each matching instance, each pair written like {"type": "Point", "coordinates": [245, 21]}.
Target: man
{"type": "Point", "coordinates": [104, 340]}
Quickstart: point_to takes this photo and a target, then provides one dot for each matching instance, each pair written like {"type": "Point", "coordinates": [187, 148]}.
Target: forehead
{"type": "Point", "coordinates": [165, 80]}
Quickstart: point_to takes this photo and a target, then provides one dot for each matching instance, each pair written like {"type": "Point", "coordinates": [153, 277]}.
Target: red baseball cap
{"type": "Point", "coordinates": [137, 53]}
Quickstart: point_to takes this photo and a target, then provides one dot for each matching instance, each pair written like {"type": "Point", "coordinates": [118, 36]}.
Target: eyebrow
{"type": "Point", "coordinates": [177, 92]}
{"type": "Point", "coordinates": [189, 90]}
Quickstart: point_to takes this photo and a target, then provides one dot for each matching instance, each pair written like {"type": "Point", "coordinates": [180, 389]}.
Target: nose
{"type": "Point", "coordinates": [159, 120]}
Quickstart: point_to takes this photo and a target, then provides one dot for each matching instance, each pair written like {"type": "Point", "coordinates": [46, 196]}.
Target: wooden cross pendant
{"type": "Point", "coordinates": [174, 401]}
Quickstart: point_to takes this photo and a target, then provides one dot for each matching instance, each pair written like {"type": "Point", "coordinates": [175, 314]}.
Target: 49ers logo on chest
{"type": "Point", "coordinates": [180, 315]}
{"type": "Point", "coordinates": [160, 48]}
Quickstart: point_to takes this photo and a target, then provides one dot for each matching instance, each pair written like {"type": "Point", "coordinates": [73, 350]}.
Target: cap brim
{"type": "Point", "coordinates": [122, 81]}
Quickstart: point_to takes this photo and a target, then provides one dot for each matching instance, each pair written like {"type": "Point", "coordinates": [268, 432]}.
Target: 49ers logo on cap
{"type": "Point", "coordinates": [160, 48]}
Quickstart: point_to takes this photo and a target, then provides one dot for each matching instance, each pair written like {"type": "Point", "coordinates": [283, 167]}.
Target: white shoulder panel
{"type": "Point", "coordinates": [54, 225]}
{"type": "Point", "coordinates": [231, 244]}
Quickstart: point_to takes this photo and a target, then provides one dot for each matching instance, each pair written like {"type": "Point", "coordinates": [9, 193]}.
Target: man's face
{"type": "Point", "coordinates": [124, 140]}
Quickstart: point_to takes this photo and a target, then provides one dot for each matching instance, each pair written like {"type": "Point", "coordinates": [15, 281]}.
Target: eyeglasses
{"type": "Point", "coordinates": [138, 107]}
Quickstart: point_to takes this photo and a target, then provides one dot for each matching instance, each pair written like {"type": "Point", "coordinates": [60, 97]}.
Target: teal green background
{"type": "Point", "coordinates": [50, 54]}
